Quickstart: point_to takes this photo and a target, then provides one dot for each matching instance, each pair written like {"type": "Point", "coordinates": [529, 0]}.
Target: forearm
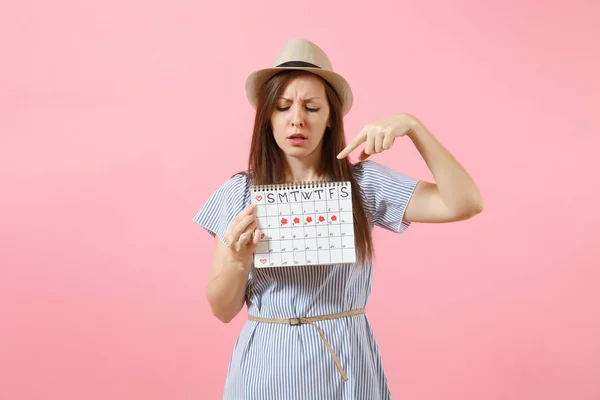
{"type": "Point", "coordinates": [226, 289]}
{"type": "Point", "coordinates": [457, 189]}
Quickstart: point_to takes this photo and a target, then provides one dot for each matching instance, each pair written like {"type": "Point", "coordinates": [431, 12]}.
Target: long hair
{"type": "Point", "coordinates": [266, 161]}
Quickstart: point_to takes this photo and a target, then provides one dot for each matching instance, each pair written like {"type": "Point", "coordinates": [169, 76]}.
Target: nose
{"type": "Point", "coordinates": [297, 116]}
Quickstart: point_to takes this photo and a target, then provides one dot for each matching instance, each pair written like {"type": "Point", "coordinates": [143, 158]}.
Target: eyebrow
{"type": "Point", "coordinates": [305, 100]}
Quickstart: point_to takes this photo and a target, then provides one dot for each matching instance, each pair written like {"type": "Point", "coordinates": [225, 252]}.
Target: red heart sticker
{"type": "Point", "coordinates": [258, 198]}
{"type": "Point", "coordinates": [263, 260]}
{"type": "Point", "coordinates": [296, 220]}
{"type": "Point", "coordinates": [308, 219]}
{"type": "Point", "coordinates": [283, 221]}
{"type": "Point", "coordinates": [333, 217]}
{"type": "Point", "coordinates": [321, 218]}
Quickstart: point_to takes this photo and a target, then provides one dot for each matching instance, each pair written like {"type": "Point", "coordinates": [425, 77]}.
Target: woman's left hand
{"type": "Point", "coordinates": [380, 136]}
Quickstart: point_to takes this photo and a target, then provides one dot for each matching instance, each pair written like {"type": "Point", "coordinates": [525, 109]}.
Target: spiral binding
{"type": "Point", "coordinates": [298, 185]}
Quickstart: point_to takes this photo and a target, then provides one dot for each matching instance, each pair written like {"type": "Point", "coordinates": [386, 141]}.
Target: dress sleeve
{"type": "Point", "coordinates": [223, 206]}
{"type": "Point", "coordinates": [386, 193]}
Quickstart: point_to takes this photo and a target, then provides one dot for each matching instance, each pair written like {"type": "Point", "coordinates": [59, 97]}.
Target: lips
{"type": "Point", "coordinates": [297, 136]}
{"type": "Point", "coordinates": [297, 139]}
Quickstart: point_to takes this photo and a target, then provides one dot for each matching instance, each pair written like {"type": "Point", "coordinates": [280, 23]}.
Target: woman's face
{"type": "Point", "coordinates": [300, 117]}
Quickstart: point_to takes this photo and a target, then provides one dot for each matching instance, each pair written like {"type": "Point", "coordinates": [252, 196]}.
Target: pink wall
{"type": "Point", "coordinates": [118, 119]}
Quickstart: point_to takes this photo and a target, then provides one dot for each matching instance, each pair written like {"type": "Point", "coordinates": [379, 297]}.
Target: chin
{"type": "Point", "coordinates": [298, 152]}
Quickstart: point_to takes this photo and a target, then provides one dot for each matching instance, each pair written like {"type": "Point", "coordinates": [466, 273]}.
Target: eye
{"type": "Point", "coordinates": [309, 109]}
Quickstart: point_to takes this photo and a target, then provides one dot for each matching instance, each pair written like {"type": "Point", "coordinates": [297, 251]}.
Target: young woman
{"type": "Point", "coordinates": [307, 336]}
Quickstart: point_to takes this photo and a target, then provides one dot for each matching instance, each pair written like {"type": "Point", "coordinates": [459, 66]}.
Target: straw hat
{"type": "Point", "coordinates": [299, 54]}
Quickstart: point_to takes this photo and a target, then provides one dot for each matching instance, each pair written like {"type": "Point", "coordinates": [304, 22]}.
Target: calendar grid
{"type": "Point", "coordinates": [304, 224]}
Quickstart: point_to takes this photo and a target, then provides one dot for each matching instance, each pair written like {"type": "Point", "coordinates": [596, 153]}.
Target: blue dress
{"type": "Point", "coordinates": [280, 362]}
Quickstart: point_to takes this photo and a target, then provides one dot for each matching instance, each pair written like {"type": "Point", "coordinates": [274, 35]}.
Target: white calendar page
{"type": "Point", "coordinates": [304, 224]}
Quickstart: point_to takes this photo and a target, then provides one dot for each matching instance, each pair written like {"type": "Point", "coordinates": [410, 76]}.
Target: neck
{"type": "Point", "coordinates": [302, 169]}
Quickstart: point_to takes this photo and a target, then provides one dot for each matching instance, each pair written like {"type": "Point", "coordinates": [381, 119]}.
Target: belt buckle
{"type": "Point", "coordinates": [295, 321]}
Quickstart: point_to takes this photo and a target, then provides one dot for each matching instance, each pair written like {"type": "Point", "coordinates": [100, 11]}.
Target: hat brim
{"type": "Point", "coordinates": [258, 78]}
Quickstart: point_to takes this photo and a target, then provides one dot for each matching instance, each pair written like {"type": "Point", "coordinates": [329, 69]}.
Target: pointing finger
{"type": "Point", "coordinates": [360, 138]}
{"type": "Point", "coordinates": [344, 153]}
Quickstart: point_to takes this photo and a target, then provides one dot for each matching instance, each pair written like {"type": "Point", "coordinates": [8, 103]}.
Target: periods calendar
{"type": "Point", "coordinates": [304, 224]}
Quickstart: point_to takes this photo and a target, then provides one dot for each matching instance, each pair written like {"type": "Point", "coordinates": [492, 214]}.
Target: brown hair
{"type": "Point", "coordinates": [266, 163]}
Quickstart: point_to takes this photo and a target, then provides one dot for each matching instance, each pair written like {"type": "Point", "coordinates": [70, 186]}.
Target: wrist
{"type": "Point", "coordinates": [416, 129]}
{"type": "Point", "coordinates": [234, 263]}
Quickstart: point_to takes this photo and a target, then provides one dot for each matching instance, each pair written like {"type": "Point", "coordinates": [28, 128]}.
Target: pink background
{"type": "Point", "coordinates": [118, 119]}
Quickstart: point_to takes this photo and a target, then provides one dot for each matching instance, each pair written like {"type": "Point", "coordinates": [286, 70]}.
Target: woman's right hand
{"type": "Point", "coordinates": [242, 235]}
{"type": "Point", "coordinates": [228, 280]}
